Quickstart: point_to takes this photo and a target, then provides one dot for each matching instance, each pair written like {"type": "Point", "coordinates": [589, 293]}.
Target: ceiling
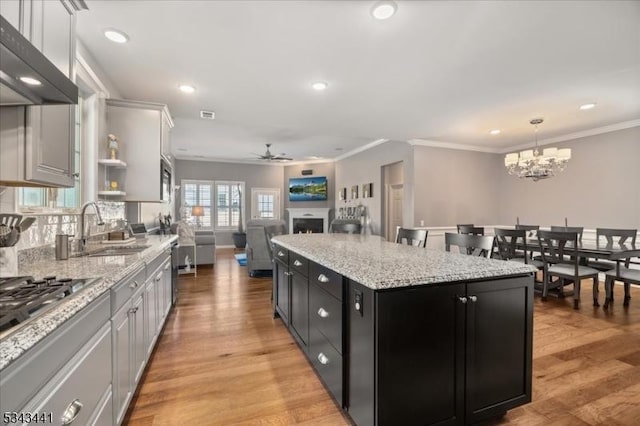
{"type": "Point", "coordinates": [437, 71]}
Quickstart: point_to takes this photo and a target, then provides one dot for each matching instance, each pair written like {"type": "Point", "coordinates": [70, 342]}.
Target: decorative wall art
{"type": "Point", "coordinates": [354, 192]}
{"type": "Point", "coordinates": [342, 195]}
{"type": "Point", "coordinates": [367, 190]}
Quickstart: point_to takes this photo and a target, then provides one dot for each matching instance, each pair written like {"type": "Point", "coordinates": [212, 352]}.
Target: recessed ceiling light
{"type": "Point", "coordinates": [339, 149]}
{"type": "Point", "coordinates": [495, 132]}
{"type": "Point", "coordinates": [30, 81]}
{"type": "Point", "coordinates": [116, 36]}
{"type": "Point", "coordinates": [383, 9]}
{"type": "Point", "coordinates": [320, 85]}
{"type": "Point", "coordinates": [183, 149]}
{"type": "Point", "coordinates": [587, 106]}
{"type": "Point", "coordinates": [185, 88]}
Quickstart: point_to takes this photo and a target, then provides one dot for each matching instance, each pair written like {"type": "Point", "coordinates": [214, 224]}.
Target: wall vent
{"type": "Point", "coordinates": [207, 114]}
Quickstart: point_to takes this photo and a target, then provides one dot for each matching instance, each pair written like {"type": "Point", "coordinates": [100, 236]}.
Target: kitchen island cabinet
{"type": "Point", "coordinates": [423, 337]}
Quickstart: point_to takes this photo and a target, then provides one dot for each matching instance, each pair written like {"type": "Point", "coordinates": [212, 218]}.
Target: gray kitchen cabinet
{"type": "Point", "coordinates": [37, 142]}
{"type": "Point", "coordinates": [64, 370]}
{"type": "Point", "coordinates": [139, 342]}
{"type": "Point", "coordinates": [10, 10]}
{"type": "Point", "coordinates": [139, 127]}
{"type": "Point", "coordinates": [165, 137]}
{"type": "Point", "coordinates": [77, 391]}
{"type": "Point", "coordinates": [121, 362]}
{"type": "Point", "coordinates": [151, 313]}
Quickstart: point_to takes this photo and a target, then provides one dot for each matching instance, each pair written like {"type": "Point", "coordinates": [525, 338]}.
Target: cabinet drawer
{"type": "Point", "coordinates": [325, 314]}
{"type": "Point", "coordinates": [326, 278]}
{"type": "Point", "coordinates": [327, 362]}
{"type": "Point", "coordinates": [281, 254]}
{"type": "Point", "coordinates": [123, 291]}
{"type": "Point", "coordinates": [299, 263]}
{"type": "Point", "coordinates": [79, 386]}
{"type": "Point", "coordinates": [154, 264]}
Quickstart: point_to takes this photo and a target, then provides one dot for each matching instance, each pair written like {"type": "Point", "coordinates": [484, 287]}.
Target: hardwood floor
{"type": "Point", "coordinates": [222, 359]}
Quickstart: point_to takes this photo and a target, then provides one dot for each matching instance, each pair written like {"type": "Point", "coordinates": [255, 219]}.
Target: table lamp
{"type": "Point", "coordinates": [197, 211]}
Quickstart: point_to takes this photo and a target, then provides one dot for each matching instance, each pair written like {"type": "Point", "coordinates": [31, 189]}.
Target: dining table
{"type": "Point", "coordinates": [590, 249]}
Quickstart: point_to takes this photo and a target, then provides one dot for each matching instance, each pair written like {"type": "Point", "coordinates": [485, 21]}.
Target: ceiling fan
{"type": "Point", "coordinates": [269, 156]}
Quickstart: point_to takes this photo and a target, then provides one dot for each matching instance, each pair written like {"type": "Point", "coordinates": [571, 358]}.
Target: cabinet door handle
{"type": "Point", "coordinates": [473, 298]}
{"type": "Point", "coordinates": [159, 276]}
{"type": "Point", "coordinates": [287, 273]}
{"type": "Point", "coordinates": [463, 299]}
{"type": "Point", "coordinates": [323, 313]}
{"type": "Point", "coordinates": [323, 278]}
{"type": "Point", "coordinates": [323, 358]}
{"type": "Point", "coordinates": [71, 412]}
{"type": "Point", "coordinates": [134, 284]}
{"type": "Point", "coordinates": [280, 254]}
{"type": "Point", "coordinates": [297, 263]}
{"type": "Point", "coordinates": [167, 266]}
{"type": "Point", "coordinates": [133, 310]}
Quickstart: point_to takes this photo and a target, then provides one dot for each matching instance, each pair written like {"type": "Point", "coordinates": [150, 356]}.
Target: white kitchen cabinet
{"type": "Point", "coordinates": [37, 142]}
{"type": "Point", "coordinates": [142, 129]}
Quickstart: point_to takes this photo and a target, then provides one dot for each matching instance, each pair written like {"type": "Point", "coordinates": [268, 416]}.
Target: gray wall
{"type": "Point", "coordinates": [365, 167]}
{"type": "Point", "coordinates": [319, 169]}
{"type": "Point", "coordinates": [599, 188]}
{"type": "Point", "coordinates": [454, 186]}
{"type": "Point", "coordinates": [254, 176]}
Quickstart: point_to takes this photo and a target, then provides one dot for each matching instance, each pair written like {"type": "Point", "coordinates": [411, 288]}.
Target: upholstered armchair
{"type": "Point", "coordinates": [259, 244]}
{"type": "Point", "coordinates": [204, 241]}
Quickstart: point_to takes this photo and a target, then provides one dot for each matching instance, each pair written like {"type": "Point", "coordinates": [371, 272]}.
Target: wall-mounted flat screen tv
{"type": "Point", "coordinates": [308, 189]}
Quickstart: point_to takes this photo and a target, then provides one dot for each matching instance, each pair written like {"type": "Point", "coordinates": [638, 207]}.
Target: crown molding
{"type": "Point", "coordinates": [577, 135]}
{"type": "Point", "coordinates": [253, 162]}
{"type": "Point", "coordinates": [361, 149]}
{"type": "Point", "coordinates": [451, 145]}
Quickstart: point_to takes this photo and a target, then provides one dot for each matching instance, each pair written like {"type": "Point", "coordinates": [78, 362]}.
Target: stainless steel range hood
{"type": "Point", "coordinates": [20, 61]}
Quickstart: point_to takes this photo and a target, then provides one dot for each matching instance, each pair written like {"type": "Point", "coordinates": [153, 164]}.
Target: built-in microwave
{"type": "Point", "coordinates": [165, 181]}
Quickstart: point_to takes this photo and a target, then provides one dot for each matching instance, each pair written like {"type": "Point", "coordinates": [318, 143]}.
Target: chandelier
{"type": "Point", "coordinates": [535, 165]}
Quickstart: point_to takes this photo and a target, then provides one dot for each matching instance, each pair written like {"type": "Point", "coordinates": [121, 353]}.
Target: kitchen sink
{"type": "Point", "coordinates": [117, 251]}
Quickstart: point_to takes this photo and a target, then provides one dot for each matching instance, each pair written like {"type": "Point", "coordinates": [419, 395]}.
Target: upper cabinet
{"type": "Point", "coordinates": [143, 131]}
{"type": "Point", "coordinates": [37, 142]}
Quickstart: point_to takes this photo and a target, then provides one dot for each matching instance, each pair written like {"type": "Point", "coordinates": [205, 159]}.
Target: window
{"type": "Point", "coordinates": [223, 214]}
{"type": "Point", "coordinates": [265, 203]}
{"type": "Point", "coordinates": [196, 193]}
{"type": "Point", "coordinates": [228, 204]}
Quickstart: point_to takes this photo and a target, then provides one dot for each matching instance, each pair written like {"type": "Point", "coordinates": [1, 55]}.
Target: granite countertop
{"type": "Point", "coordinates": [109, 269]}
{"type": "Point", "coordinates": [378, 264]}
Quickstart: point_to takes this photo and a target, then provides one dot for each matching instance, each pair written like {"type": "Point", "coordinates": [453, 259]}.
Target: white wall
{"type": "Point", "coordinates": [599, 188]}
{"type": "Point", "coordinates": [365, 167]}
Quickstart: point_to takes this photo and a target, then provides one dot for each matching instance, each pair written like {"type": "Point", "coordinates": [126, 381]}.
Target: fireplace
{"type": "Point", "coordinates": [314, 220]}
{"type": "Point", "coordinates": [312, 225]}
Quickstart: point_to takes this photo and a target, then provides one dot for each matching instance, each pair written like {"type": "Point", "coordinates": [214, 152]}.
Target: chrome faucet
{"type": "Point", "coordinates": [83, 210]}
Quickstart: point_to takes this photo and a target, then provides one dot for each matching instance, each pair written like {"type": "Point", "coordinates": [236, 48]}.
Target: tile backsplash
{"type": "Point", "coordinates": [48, 224]}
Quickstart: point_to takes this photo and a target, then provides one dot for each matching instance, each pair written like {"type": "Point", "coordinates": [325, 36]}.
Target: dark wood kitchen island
{"type": "Point", "coordinates": [406, 335]}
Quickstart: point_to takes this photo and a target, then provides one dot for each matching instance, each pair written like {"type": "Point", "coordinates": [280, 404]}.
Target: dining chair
{"type": "Point", "coordinates": [627, 276]}
{"type": "Point", "coordinates": [346, 228]}
{"type": "Point", "coordinates": [578, 229]}
{"type": "Point", "coordinates": [507, 242]}
{"type": "Point", "coordinates": [470, 230]}
{"type": "Point", "coordinates": [474, 245]}
{"type": "Point", "coordinates": [560, 258]}
{"type": "Point", "coordinates": [617, 237]}
{"type": "Point", "coordinates": [612, 236]}
{"type": "Point", "coordinates": [530, 229]}
{"type": "Point", "coordinates": [463, 224]}
{"type": "Point", "coordinates": [412, 237]}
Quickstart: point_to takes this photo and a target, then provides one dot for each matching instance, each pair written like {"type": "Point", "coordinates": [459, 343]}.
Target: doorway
{"type": "Point", "coordinates": [393, 199]}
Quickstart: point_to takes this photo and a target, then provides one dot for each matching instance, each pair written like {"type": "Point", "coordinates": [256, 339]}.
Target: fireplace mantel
{"type": "Point", "coordinates": [309, 213]}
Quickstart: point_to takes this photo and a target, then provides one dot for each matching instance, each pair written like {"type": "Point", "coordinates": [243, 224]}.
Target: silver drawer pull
{"type": "Point", "coordinates": [297, 263]}
{"type": "Point", "coordinates": [280, 254]}
{"type": "Point", "coordinates": [134, 284]}
{"type": "Point", "coordinates": [462, 299]}
{"type": "Point", "coordinates": [133, 310]}
{"type": "Point", "coordinates": [159, 276]}
{"type": "Point", "coordinates": [473, 298]}
{"type": "Point", "coordinates": [323, 278]}
{"type": "Point", "coordinates": [167, 266]}
{"type": "Point", "coordinates": [323, 313]}
{"type": "Point", "coordinates": [323, 358]}
{"type": "Point", "coordinates": [71, 412]}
